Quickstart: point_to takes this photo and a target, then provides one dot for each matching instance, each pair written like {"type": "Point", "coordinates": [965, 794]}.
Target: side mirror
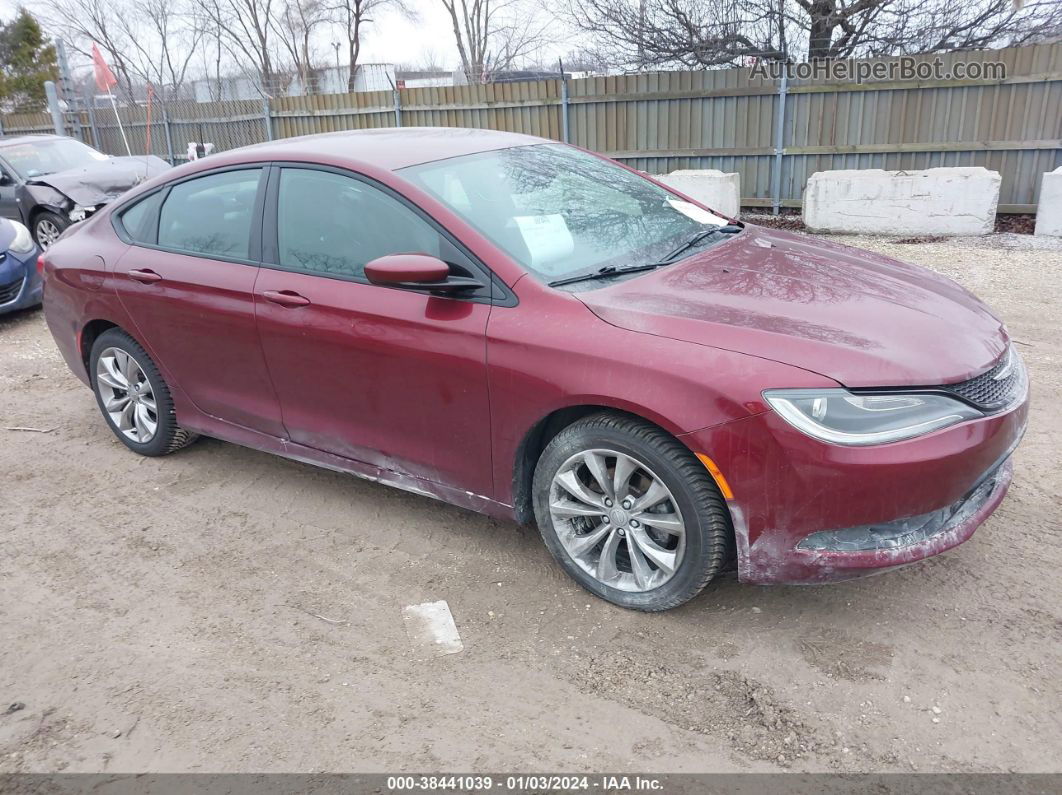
{"type": "Point", "coordinates": [417, 272]}
{"type": "Point", "coordinates": [5, 179]}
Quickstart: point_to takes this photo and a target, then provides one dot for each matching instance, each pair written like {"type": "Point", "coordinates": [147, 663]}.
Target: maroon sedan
{"type": "Point", "coordinates": [529, 330]}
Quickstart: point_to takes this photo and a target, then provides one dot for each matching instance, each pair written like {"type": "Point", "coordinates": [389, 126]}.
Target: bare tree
{"type": "Point", "coordinates": [295, 27]}
{"type": "Point", "coordinates": [163, 35]}
{"type": "Point", "coordinates": [247, 27]}
{"type": "Point", "coordinates": [492, 35]}
{"type": "Point", "coordinates": [147, 41]}
{"type": "Point", "coordinates": [351, 16]}
{"type": "Point", "coordinates": [704, 33]}
{"type": "Point", "coordinates": [84, 22]}
{"type": "Point", "coordinates": [911, 27]}
{"type": "Point", "coordinates": [212, 51]}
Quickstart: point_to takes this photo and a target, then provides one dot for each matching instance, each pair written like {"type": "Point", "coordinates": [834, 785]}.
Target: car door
{"type": "Point", "coordinates": [391, 377]}
{"type": "Point", "coordinates": [187, 282]}
{"type": "Point", "coordinates": [9, 207]}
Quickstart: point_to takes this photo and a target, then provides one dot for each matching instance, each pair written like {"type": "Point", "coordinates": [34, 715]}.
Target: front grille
{"type": "Point", "coordinates": [997, 388]}
{"type": "Point", "coordinates": [9, 292]}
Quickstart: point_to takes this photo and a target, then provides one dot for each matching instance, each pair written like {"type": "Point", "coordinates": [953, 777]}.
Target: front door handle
{"type": "Point", "coordinates": [145, 276]}
{"type": "Point", "coordinates": [288, 298]}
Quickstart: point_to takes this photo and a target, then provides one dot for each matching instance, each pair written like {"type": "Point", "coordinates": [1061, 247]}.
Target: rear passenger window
{"type": "Point", "coordinates": [139, 220]}
{"type": "Point", "coordinates": [211, 215]}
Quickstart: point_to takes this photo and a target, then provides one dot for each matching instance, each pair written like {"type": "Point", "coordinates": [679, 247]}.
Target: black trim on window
{"type": "Point", "coordinates": [254, 240]}
{"type": "Point", "coordinates": [254, 246]}
{"type": "Point", "coordinates": [156, 217]}
{"type": "Point", "coordinates": [270, 243]}
{"type": "Point", "coordinates": [494, 290]}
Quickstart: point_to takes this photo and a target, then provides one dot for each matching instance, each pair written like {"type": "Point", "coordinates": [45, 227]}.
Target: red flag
{"type": "Point", "coordinates": [104, 76]}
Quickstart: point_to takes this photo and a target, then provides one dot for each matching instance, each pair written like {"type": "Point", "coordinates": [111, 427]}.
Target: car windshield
{"type": "Point", "coordinates": [561, 212]}
{"type": "Point", "coordinates": [49, 156]}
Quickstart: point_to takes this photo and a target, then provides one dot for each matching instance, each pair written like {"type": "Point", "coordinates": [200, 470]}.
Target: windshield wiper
{"type": "Point", "coordinates": [699, 237]}
{"type": "Point", "coordinates": [606, 272]}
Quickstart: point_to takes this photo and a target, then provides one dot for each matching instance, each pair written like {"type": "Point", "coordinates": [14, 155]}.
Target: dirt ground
{"type": "Point", "coordinates": [226, 610]}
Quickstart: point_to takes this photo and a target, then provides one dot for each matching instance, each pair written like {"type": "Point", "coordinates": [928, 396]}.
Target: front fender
{"type": "Point", "coordinates": [553, 353]}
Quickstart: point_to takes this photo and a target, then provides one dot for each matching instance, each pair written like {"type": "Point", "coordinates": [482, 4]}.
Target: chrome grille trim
{"type": "Point", "coordinates": [996, 389]}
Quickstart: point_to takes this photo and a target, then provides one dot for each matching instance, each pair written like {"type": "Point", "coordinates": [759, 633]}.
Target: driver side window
{"type": "Point", "coordinates": [332, 225]}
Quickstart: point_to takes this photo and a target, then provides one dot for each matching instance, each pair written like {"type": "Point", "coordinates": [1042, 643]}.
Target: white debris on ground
{"type": "Point", "coordinates": [431, 628]}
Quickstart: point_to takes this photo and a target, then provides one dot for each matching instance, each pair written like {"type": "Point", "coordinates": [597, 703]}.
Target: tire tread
{"type": "Point", "coordinates": [712, 511]}
{"type": "Point", "coordinates": [179, 437]}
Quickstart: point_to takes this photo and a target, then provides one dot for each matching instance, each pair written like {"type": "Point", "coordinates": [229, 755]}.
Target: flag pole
{"type": "Point", "coordinates": [118, 118]}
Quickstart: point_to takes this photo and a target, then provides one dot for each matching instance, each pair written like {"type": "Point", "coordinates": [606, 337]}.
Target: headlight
{"type": "Point", "coordinates": [842, 417]}
{"type": "Point", "coordinates": [23, 242]}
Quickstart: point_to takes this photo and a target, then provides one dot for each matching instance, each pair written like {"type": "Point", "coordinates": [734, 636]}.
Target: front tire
{"type": "Point", "coordinates": [47, 226]}
{"type": "Point", "coordinates": [133, 397]}
{"type": "Point", "coordinates": [630, 513]}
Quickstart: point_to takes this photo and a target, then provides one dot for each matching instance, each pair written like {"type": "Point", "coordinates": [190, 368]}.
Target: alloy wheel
{"type": "Point", "coordinates": [617, 520]}
{"type": "Point", "coordinates": [127, 395]}
{"type": "Point", "coordinates": [47, 233]}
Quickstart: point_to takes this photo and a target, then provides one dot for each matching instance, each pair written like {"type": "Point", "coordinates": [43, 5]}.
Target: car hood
{"type": "Point", "coordinates": [104, 181]}
{"type": "Point", "coordinates": [856, 317]}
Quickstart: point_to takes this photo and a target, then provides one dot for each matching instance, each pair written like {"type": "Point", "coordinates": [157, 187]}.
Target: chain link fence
{"type": "Point", "coordinates": [167, 129]}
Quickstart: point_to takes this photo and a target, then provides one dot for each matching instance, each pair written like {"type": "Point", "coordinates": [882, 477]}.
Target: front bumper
{"type": "Point", "coordinates": [20, 284]}
{"type": "Point", "coordinates": [807, 512]}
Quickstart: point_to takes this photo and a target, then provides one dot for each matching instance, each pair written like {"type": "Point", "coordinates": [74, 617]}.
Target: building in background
{"type": "Point", "coordinates": [327, 80]}
{"type": "Point", "coordinates": [427, 78]}
{"type": "Point", "coordinates": [333, 80]}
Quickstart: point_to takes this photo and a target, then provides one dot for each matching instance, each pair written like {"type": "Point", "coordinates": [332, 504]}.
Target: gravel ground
{"type": "Point", "coordinates": [225, 610]}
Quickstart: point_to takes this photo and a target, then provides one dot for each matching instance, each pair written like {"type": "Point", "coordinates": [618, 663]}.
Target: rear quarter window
{"type": "Point", "coordinates": [139, 222]}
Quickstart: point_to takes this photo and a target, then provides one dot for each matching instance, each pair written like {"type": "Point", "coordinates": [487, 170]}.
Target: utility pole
{"type": "Point", "coordinates": [66, 88]}
{"type": "Point", "coordinates": [53, 106]}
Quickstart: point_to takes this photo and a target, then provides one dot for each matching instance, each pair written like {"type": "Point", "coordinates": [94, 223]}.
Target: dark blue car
{"type": "Point", "coordinates": [20, 283]}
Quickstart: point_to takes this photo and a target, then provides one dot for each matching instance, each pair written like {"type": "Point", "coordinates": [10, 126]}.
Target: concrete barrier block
{"type": "Point", "coordinates": [715, 189]}
{"type": "Point", "coordinates": [937, 201]}
{"type": "Point", "coordinates": [1049, 210]}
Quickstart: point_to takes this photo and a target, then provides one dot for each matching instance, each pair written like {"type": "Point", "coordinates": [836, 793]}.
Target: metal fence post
{"type": "Point", "coordinates": [92, 121]}
{"type": "Point", "coordinates": [169, 136]}
{"type": "Point", "coordinates": [267, 117]}
{"type": "Point", "coordinates": [779, 143]}
{"type": "Point", "coordinates": [564, 101]}
{"type": "Point", "coordinates": [565, 133]}
{"type": "Point", "coordinates": [53, 106]}
{"type": "Point", "coordinates": [398, 106]}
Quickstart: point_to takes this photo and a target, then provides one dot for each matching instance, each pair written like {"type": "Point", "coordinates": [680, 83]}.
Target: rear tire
{"type": "Point", "coordinates": [649, 531]}
{"type": "Point", "coordinates": [133, 397]}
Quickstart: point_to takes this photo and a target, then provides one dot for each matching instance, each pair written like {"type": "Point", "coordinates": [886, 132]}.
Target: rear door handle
{"type": "Point", "coordinates": [145, 275]}
{"type": "Point", "coordinates": [288, 298]}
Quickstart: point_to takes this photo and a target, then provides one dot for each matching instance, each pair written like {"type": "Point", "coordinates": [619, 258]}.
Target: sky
{"type": "Point", "coordinates": [390, 39]}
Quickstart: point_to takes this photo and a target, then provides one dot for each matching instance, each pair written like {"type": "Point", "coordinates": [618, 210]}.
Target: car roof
{"type": "Point", "coordinates": [388, 148]}
{"type": "Point", "coordinates": [29, 139]}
